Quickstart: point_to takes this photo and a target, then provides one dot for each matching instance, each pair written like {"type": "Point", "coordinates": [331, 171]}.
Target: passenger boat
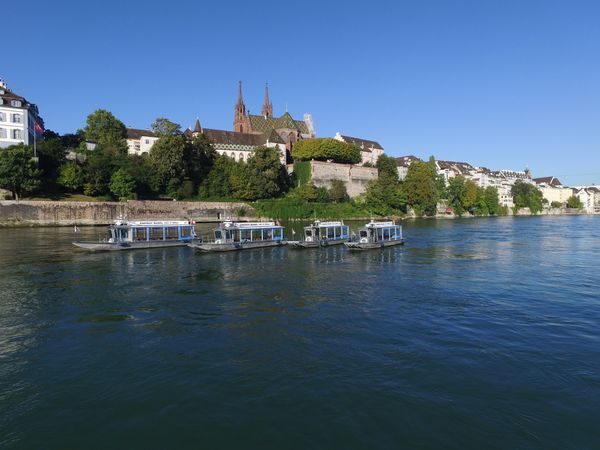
{"type": "Point", "coordinates": [230, 236]}
{"type": "Point", "coordinates": [377, 235]}
{"type": "Point", "coordinates": [132, 234]}
{"type": "Point", "coordinates": [323, 234]}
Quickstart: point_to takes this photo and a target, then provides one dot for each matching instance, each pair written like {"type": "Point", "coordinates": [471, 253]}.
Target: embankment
{"type": "Point", "coordinates": [48, 213]}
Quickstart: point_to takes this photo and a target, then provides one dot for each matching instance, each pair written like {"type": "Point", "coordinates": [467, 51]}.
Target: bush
{"type": "Point", "coordinates": [338, 192]}
{"type": "Point", "coordinates": [574, 202]}
{"type": "Point", "coordinates": [556, 204]}
{"type": "Point", "coordinates": [326, 150]}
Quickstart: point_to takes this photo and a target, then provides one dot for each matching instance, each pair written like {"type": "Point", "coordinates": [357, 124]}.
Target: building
{"type": "Point", "coordinates": [290, 130]}
{"type": "Point", "coordinates": [236, 145]}
{"type": "Point", "coordinates": [553, 190]}
{"type": "Point", "coordinates": [140, 141]}
{"type": "Point", "coordinates": [403, 162]}
{"type": "Point", "coordinates": [20, 122]}
{"type": "Point", "coordinates": [589, 196]}
{"type": "Point", "coordinates": [370, 151]}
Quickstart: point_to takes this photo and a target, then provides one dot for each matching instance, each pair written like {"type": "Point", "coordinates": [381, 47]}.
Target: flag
{"type": "Point", "coordinates": [38, 128]}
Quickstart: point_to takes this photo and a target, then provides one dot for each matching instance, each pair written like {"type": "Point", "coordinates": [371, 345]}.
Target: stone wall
{"type": "Point", "coordinates": [354, 177]}
{"type": "Point", "coordinates": [103, 213]}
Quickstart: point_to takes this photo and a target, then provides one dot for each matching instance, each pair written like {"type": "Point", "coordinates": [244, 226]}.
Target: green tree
{"type": "Point", "coordinates": [556, 204]}
{"type": "Point", "coordinates": [469, 200]}
{"type": "Point", "coordinates": [455, 193]}
{"type": "Point", "coordinates": [107, 131]}
{"type": "Point", "coordinates": [385, 198]}
{"type": "Point", "coordinates": [18, 172]}
{"type": "Point", "coordinates": [387, 167]}
{"type": "Point", "coordinates": [97, 169]}
{"type": "Point", "coordinates": [122, 184]}
{"type": "Point", "coordinates": [574, 202]}
{"type": "Point", "coordinates": [71, 176]}
{"type": "Point", "coordinates": [167, 158]}
{"type": "Point", "coordinates": [199, 158]}
{"type": "Point", "coordinates": [421, 188]}
{"type": "Point", "coordinates": [326, 149]}
{"type": "Point", "coordinates": [526, 195]}
{"type": "Point", "coordinates": [267, 177]}
{"type": "Point", "coordinates": [338, 192]}
{"type": "Point", "coordinates": [492, 200]}
{"type": "Point", "coordinates": [52, 156]}
{"type": "Point", "coordinates": [164, 127]}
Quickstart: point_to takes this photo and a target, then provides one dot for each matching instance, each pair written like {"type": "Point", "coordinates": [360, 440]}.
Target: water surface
{"type": "Point", "coordinates": [480, 333]}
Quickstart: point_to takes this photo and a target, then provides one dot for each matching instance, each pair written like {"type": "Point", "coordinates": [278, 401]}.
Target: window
{"type": "Point", "coordinates": [2, 117]}
{"type": "Point", "coordinates": [2, 133]}
{"type": "Point", "coordinates": [147, 141]}
{"type": "Point", "coordinates": [17, 134]}
{"type": "Point", "coordinates": [15, 103]}
{"type": "Point", "coordinates": [16, 118]}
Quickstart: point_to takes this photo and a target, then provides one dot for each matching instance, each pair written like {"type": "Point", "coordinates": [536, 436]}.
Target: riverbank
{"type": "Point", "coordinates": [65, 213]}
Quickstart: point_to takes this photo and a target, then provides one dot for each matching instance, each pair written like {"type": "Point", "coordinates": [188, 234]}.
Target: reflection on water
{"type": "Point", "coordinates": [476, 334]}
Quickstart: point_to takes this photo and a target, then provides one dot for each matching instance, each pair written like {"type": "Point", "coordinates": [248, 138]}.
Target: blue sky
{"type": "Point", "coordinates": [502, 84]}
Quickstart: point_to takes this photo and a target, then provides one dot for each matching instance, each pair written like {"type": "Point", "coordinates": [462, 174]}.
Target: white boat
{"type": "Point", "coordinates": [232, 236]}
{"type": "Point", "coordinates": [132, 234]}
{"type": "Point", "coordinates": [377, 235]}
{"type": "Point", "coordinates": [323, 234]}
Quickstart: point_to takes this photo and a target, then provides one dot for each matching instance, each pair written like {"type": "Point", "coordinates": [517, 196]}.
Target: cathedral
{"type": "Point", "coordinates": [251, 131]}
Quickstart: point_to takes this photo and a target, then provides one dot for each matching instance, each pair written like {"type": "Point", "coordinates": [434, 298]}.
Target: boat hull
{"type": "Point", "coordinates": [373, 245]}
{"type": "Point", "coordinates": [118, 246]}
{"type": "Point", "coordinates": [322, 243]}
{"type": "Point", "coordinates": [234, 246]}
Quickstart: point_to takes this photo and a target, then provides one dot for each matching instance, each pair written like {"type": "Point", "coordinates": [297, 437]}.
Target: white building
{"type": "Point", "coordinates": [553, 190]}
{"type": "Point", "coordinates": [370, 151]}
{"type": "Point", "coordinates": [589, 196]}
{"type": "Point", "coordinates": [140, 141]}
{"type": "Point", "coordinates": [19, 119]}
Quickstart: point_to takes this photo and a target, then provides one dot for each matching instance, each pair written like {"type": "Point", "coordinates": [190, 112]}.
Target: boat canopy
{"type": "Point", "coordinates": [151, 230]}
{"type": "Point", "coordinates": [248, 231]}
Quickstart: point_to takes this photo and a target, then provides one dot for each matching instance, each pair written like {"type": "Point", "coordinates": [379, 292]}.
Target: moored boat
{"type": "Point", "coordinates": [377, 235]}
{"type": "Point", "coordinates": [323, 234]}
{"type": "Point", "coordinates": [132, 234]}
{"type": "Point", "coordinates": [231, 236]}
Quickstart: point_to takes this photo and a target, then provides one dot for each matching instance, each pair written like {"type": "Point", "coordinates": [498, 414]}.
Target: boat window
{"type": "Point", "coordinates": [139, 234]}
{"type": "Point", "coordinates": [331, 233]}
{"type": "Point", "coordinates": [227, 234]}
{"type": "Point", "coordinates": [363, 233]}
{"type": "Point", "coordinates": [156, 234]}
{"type": "Point", "coordinates": [268, 234]}
{"type": "Point", "coordinates": [172, 233]}
{"type": "Point", "coordinates": [217, 234]}
{"type": "Point", "coordinates": [323, 233]}
{"type": "Point", "coordinates": [386, 233]}
{"type": "Point", "coordinates": [379, 234]}
{"type": "Point", "coordinates": [111, 234]}
{"type": "Point", "coordinates": [256, 235]}
{"type": "Point", "coordinates": [308, 232]}
{"type": "Point", "coordinates": [122, 234]}
{"type": "Point", "coordinates": [186, 231]}
{"type": "Point", "coordinates": [344, 231]}
{"type": "Point", "coordinates": [278, 233]}
{"type": "Point", "coordinates": [245, 235]}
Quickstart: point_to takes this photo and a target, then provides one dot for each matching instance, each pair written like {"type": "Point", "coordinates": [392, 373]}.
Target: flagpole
{"type": "Point", "coordinates": [34, 139]}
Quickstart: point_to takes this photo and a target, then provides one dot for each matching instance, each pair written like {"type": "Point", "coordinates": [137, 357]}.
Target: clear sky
{"type": "Point", "coordinates": [502, 84]}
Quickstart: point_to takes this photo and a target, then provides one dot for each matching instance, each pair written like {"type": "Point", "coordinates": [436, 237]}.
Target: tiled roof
{"type": "Point", "coordinates": [363, 144]}
{"type": "Point", "coordinates": [548, 180]}
{"type": "Point", "coordinates": [135, 133]}
{"type": "Point", "coordinates": [263, 124]}
{"type": "Point", "coordinates": [233, 137]}
{"type": "Point", "coordinates": [455, 166]}
{"type": "Point", "coordinates": [405, 161]}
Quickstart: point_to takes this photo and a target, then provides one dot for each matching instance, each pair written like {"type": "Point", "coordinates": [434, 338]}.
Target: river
{"type": "Point", "coordinates": [478, 333]}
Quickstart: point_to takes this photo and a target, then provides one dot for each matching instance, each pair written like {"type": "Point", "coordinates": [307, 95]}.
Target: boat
{"type": "Point", "coordinates": [132, 234]}
{"type": "Point", "coordinates": [377, 235]}
{"type": "Point", "coordinates": [231, 236]}
{"type": "Point", "coordinates": [323, 234]}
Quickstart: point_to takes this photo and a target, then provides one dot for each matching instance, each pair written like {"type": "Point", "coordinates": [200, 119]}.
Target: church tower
{"type": "Point", "coordinates": [241, 122]}
{"type": "Point", "coordinates": [267, 109]}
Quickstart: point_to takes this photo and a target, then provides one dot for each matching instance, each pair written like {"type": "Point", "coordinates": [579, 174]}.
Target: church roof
{"type": "Point", "coordinates": [364, 144]}
{"type": "Point", "coordinates": [263, 124]}
{"type": "Point", "coordinates": [234, 137]}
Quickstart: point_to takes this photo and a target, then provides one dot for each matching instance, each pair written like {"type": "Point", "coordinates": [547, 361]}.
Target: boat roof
{"type": "Point", "coordinates": [249, 225]}
{"type": "Point", "coordinates": [332, 223]}
{"type": "Point", "coordinates": [389, 223]}
{"type": "Point", "coordinates": [152, 223]}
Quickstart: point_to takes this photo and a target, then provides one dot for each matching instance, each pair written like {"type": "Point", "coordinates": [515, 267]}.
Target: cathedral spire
{"type": "Point", "coordinates": [197, 128]}
{"type": "Point", "coordinates": [241, 122]}
{"type": "Point", "coordinates": [267, 109]}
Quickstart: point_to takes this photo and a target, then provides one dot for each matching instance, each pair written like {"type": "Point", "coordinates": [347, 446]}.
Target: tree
{"type": "Point", "coordinates": [385, 198]}
{"type": "Point", "coordinates": [107, 131]}
{"type": "Point", "coordinates": [18, 172]}
{"type": "Point", "coordinates": [526, 195]}
{"type": "Point", "coordinates": [492, 200]}
{"type": "Point", "coordinates": [327, 149]}
{"type": "Point", "coordinates": [52, 156]}
{"type": "Point", "coordinates": [167, 158]}
{"type": "Point", "coordinates": [455, 193]}
{"type": "Point", "coordinates": [387, 167]}
{"type": "Point", "coordinates": [71, 176]}
{"type": "Point", "coordinates": [164, 127]}
{"type": "Point", "coordinates": [574, 202]}
{"type": "Point", "coordinates": [199, 158]}
{"type": "Point", "coordinates": [420, 187]}
{"type": "Point", "coordinates": [122, 184]}
{"type": "Point", "coordinates": [556, 204]}
{"type": "Point", "coordinates": [97, 170]}
{"type": "Point", "coordinates": [338, 192]}
{"type": "Point", "coordinates": [267, 177]}
{"type": "Point", "coordinates": [469, 200]}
